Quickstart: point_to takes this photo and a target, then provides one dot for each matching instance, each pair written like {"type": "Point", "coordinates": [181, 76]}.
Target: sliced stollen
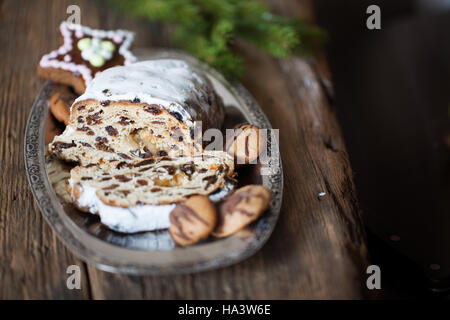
{"type": "Point", "coordinates": [132, 196]}
{"type": "Point", "coordinates": [147, 109]}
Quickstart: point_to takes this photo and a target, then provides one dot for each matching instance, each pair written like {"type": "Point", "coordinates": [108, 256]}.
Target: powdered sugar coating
{"type": "Point", "coordinates": [128, 220]}
{"type": "Point", "coordinates": [166, 82]}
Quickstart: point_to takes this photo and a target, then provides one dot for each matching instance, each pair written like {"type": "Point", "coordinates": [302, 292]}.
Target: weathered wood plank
{"type": "Point", "coordinates": [32, 261]}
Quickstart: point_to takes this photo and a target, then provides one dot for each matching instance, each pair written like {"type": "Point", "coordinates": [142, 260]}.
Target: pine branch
{"type": "Point", "coordinates": [208, 28]}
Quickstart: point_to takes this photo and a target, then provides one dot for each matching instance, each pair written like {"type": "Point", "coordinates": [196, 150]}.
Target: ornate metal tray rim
{"type": "Point", "coordinates": [113, 258]}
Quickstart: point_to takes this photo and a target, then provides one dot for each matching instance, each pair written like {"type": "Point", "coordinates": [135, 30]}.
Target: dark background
{"type": "Point", "coordinates": [392, 99]}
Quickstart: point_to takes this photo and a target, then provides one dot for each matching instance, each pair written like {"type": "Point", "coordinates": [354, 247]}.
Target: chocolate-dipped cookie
{"type": "Point", "coordinates": [241, 208]}
{"type": "Point", "coordinates": [192, 221]}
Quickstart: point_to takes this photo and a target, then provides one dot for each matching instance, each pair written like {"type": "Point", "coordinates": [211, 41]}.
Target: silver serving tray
{"type": "Point", "coordinates": [151, 253]}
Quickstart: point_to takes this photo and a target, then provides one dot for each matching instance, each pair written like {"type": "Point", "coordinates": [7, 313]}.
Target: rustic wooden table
{"type": "Point", "coordinates": [318, 247]}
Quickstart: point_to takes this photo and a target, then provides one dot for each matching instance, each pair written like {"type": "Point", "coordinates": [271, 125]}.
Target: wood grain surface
{"type": "Point", "coordinates": [318, 247]}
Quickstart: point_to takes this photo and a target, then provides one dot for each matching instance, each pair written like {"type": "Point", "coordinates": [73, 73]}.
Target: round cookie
{"type": "Point", "coordinates": [192, 221]}
{"type": "Point", "coordinates": [241, 208]}
{"type": "Point", "coordinates": [58, 175]}
{"type": "Point", "coordinates": [52, 128]}
{"type": "Point", "coordinates": [60, 103]}
{"type": "Point", "coordinates": [247, 144]}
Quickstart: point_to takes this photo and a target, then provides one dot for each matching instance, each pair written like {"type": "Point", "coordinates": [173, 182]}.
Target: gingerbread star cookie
{"type": "Point", "coordinates": [84, 53]}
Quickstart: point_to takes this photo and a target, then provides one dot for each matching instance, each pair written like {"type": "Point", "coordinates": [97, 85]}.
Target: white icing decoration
{"type": "Point", "coordinates": [117, 39]}
{"type": "Point", "coordinates": [96, 51]}
{"type": "Point", "coordinates": [49, 60]}
{"type": "Point", "coordinates": [106, 54]}
{"type": "Point", "coordinates": [166, 82]}
{"type": "Point", "coordinates": [86, 54]}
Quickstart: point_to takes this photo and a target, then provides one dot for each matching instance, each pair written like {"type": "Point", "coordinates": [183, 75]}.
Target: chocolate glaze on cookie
{"type": "Point", "coordinates": [183, 212]}
{"type": "Point", "coordinates": [240, 208]}
{"type": "Point", "coordinates": [192, 221]}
